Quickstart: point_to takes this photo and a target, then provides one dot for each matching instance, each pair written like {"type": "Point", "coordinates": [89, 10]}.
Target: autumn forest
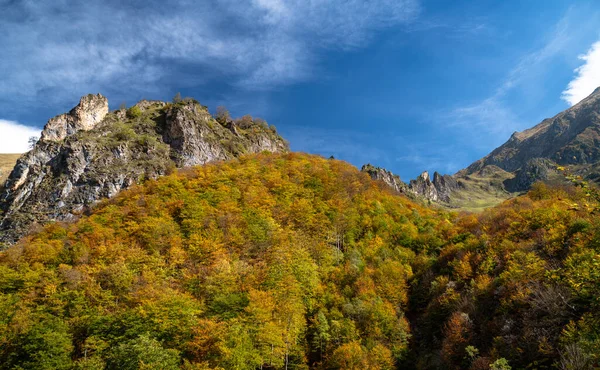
{"type": "Point", "coordinates": [293, 261]}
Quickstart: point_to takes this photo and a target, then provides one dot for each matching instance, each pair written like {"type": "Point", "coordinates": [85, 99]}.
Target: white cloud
{"type": "Point", "coordinates": [14, 136]}
{"type": "Point", "coordinates": [52, 46]}
{"type": "Point", "coordinates": [587, 77]}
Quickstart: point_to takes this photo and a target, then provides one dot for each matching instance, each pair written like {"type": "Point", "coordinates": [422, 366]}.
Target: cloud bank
{"type": "Point", "coordinates": [59, 46]}
{"type": "Point", "coordinates": [587, 77]}
{"type": "Point", "coordinates": [14, 137]}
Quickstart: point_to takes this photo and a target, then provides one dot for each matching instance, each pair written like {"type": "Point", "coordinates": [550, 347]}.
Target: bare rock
{"type": "Point", "coordinates": [90, 111]}
{"type": "Point", "coordinates": [89, 154]}
{"type": "Point", "coordinates": [381, 174]}
{"type": "Point", "coordinates": [423, 187]}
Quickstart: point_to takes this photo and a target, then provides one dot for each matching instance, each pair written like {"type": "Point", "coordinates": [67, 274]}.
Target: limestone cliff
{"type": "Point", "coordinates": [90, 154]}
{"type": "Point", "coordinates": [423, 186]}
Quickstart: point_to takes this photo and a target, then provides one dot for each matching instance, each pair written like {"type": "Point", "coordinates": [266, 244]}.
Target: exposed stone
{"type": "Point", "coordinates": [422, 186]}
{"type": "Point", "coordinates": [438, 190]}
{"type": "Point", "coordinates": [88, 155]}
{"type": "Point", "coordinates": [445, 185]}
{"type": "Point", "coordinates": [90, 111]}
{"type": "Point", "coordinates": [378, 173]}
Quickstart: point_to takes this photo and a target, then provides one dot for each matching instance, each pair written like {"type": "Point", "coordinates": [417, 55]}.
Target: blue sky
{"type": "Point", "coordinates": [409, 85]}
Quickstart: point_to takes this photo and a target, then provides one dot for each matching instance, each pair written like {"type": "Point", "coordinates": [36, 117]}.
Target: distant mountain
{"type": "Point", "coordinates": [570, 139]}
{"type": "Point", "coordinates": [91, 154]}
{"type": "Point", "coordinates": [7, 163]}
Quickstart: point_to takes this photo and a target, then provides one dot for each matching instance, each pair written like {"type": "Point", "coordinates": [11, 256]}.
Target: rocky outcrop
{"type": "Point", "coordinates": [422, 186]}
{"type": "Point", "coordinates": [85, 116]}
{"type": "Point", "coordinates": [570, 137]}
{"type": "Point", "coordinates": [89, 154]}
{"type": "Point", "coordinates": [438, 190]}
{"type": "Point", "coordinates": [381, 174]}
{"type": "Point", "coordinates": [445, 186]}
{"type": "Point", "coordinates": [537, 169]}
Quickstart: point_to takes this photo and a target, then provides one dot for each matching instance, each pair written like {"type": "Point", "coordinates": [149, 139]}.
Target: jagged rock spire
{"type": "Point", "coordinates": [90, 111]}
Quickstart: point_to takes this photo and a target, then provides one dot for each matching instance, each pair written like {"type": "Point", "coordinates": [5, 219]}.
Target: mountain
{"type": "Point", "coordinates": [381, 174]}
{"type": "Point", "coordinates": [571, 137]}
{"type": "Point", "coordinates": [90, 154]}
{"type": "Point", "coordinates": [570, 140]}
{"type": "Point", "coordinates": [474, 192]}
{"type": "Point", "coordinates": [295, 261]}
{"type": "Point", "coordinates": [7, 163]}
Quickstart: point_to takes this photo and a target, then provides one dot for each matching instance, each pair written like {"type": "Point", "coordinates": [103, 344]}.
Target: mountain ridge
{"type": "Point", "coordinates": [90, 154]}
{"type": "Point", "coordinates": [571, 138]}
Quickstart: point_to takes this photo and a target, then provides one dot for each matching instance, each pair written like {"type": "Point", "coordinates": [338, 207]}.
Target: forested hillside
{"type": "Point", "coordinates": [276, 261]}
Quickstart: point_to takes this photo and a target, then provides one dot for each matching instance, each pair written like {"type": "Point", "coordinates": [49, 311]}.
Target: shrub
{"type": "Point", "coordinates": [222, 115]}
{"type": "Point", "coordinates": [500, 364]}
{"type": "Point", "coordinates": [134, 112]}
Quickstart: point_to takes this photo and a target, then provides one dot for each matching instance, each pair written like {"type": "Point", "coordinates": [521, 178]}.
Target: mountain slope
{"type": "Point", "coordinates": [295, 261]}
{"type": "Point", "coordinates": [90, 154]}
{"type": "Point", "coordinates": [273, 261]}
{"type": "Point", "coordinates": [7, 163]}
{"type": "Point", "coordinates": [571, 139]}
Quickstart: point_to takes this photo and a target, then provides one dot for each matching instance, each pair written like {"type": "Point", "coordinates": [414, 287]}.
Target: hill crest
{"type": "Point", "coordinates": [90, 154]}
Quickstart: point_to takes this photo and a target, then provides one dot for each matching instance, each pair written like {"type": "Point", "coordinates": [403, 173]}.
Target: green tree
{"type": "Point", "coordinates": [143, 353]}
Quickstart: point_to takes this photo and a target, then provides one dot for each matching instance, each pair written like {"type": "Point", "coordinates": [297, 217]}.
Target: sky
{"type": "Point", "coordinates": [409, 85]}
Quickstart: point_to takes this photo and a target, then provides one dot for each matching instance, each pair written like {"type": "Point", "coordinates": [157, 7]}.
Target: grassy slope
{"type": "Point", "coordinates": [7, 162]}
{"type": "Point", "coordinates": [481, 190]}
{"type": "Point", "coordinates": [485, 189]}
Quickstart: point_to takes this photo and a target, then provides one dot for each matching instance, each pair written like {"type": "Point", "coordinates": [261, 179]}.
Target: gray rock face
{"type": "Point", "coordinates": [378, 173]}
{"type": "Point", "coordinates": [89, 154]}
{"type": "Point", "coordinates": [445, 185]}
{"type": "Point", "coordinates": [88, 113]}
{"type": "Point", "coordinates": [537, 169]}
{"type": "Point", "coordinates": [423, 186]}
{"type": "Point", "coordinates": [438, 190]}
{"type": "Point", "coordinates": [570, 137]}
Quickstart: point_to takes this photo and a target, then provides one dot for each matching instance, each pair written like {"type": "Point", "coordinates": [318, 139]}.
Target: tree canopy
{"type": "Point", "coordinates": [293, 261]}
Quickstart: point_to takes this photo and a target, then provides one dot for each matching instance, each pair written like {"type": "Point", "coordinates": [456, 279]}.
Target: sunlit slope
{"type": "Point", "coordinates": [297, 261]}
{"type": "Point", "coordinates": [7, 163]}
{"type": "Point", "coordinates": [260, 261]}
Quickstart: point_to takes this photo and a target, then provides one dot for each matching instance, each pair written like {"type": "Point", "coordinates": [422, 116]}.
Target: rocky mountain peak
{"type": "Point", "coordinates": [438, 190]}
{"type": "Point", "coordinates": [422, 186]}
{"type": "Point", "coordinates": [90, 111]}
{"type": "Point", "coordinates": [569, 138]}
{"type": "Point", "coordinates": [90, 154]}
